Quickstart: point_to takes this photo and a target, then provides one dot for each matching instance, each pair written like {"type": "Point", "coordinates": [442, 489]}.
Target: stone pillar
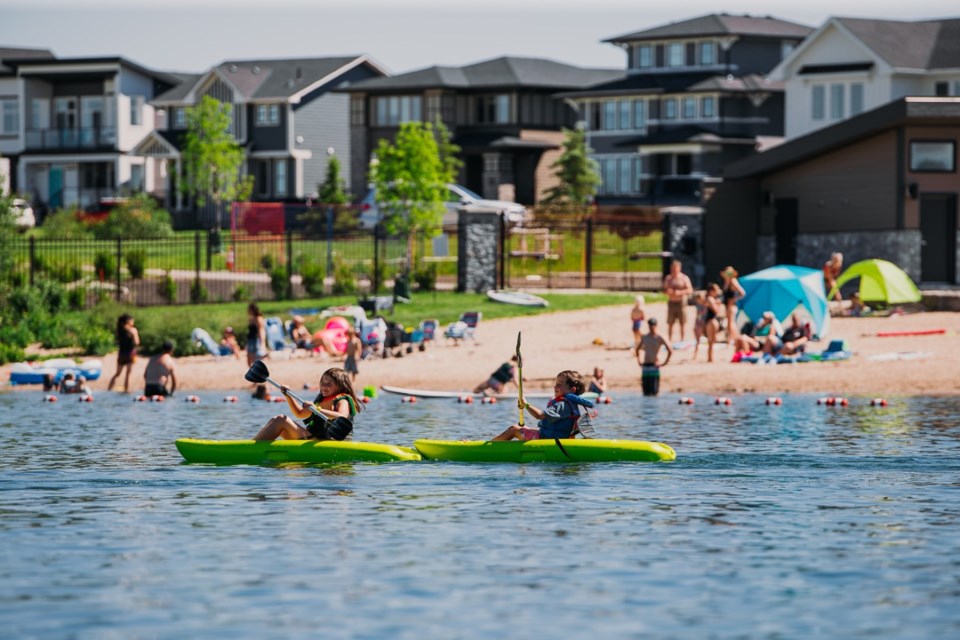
{"type": "Point", "coordinates": [478, 244]}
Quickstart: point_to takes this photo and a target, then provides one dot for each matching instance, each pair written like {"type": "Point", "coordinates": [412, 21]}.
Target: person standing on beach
{"type": "Point", "coordinates": [678, 287]}
{"type": "Point", "coordinates": [831, 271]}
{"type": "Point", "coordinates": [256, 334]}
{"type": "Point", "coordinates": [637, 315]}
{"type": "Point", "coordinates": [128, 339]}
{"type": "Point", "coordinates": [648, 357]}
{"type": "Point", "coordinates": [354, 349]}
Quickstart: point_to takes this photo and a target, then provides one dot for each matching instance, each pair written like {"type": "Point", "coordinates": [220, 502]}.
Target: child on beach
{"type": "Point", "coordinates": [128, 339]}
{"type": "Point", "coordinates": [73, 384]}
{"type": "Point", "coordinates": [598, 384]}
{"type": "Point", "coordinates": [637, 315]}
{"type": "Point", "coordinates": [354, 349]}
{"type": "Point", "coordinates": [559, 418]}
{"type": "Point", "coordinates": [335, 400]}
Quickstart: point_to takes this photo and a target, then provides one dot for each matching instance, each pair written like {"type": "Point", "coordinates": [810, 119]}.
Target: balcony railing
{"type": "Point", "coordinates": [70, 139]}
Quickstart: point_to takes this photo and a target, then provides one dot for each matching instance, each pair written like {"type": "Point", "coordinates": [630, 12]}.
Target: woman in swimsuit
{"type": "Point", "coordinates": [732, 292]}
{"type": "Point", "coordinates": [256, 334]}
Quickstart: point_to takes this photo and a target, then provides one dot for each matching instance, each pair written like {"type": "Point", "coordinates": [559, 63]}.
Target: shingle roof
{"type": "Point", "coordinates": [930, 44]}
{"type": "Point", "coordinates": [179, 91]}
{"type": "Point", "coordinates": [636, 84]}
{"type": "Point", "coordinates": [14, 53]}
{"type": "Point", "coordinates": [508, 71]}
{"type": "Point", "coordinates": [717, 24]}
{"type": "Point", "coordinates": [266, 79]}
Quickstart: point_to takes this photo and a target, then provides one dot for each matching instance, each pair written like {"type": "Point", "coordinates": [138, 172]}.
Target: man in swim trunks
{"type": "Point", "coordinates": [650, 346]}
{"type": "Point", "coordinates": [678, 287]}
{"type": "Point", "coordinates": [160, 373]}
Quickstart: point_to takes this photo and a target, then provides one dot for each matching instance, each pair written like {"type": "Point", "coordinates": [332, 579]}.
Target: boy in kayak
{"type": "Point", "coordinates": [499, 378]}
{"type": "Point", "coordinates": [336, 401]}
{"type": "Point", "coordinates": [559, 418]}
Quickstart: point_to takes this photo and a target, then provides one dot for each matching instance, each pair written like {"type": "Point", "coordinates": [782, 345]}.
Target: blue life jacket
{"type": "Point", "coordinates": [565, 427]}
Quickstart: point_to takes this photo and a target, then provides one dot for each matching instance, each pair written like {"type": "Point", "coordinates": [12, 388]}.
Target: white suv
{"type": "Point", "coordinates": [22, 213]}
{"type": "Point", "coordinates": [458, 197]}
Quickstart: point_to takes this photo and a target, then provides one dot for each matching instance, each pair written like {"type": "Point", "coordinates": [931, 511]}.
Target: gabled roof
{"type": "Point", "coordinates": [505, 72]}
{"type": "Point", "coordinates": [929, 44]}
{"type": "Point", "coordinates": [646, 84]}
{"type": "Point", "coordinates": [719, 24]}
{"type": "Point", "coordinates": [905, 111]}
{"type": "Point", "coordinates": [283, 78]}
{"type": "Point", "coordinates": [15, 53]}
{"type": "Point", "coordinates": [179, 91]}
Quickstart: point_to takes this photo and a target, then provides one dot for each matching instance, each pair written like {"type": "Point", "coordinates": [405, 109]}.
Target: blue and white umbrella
{"type": "Point", "coordinates": [783, 288]}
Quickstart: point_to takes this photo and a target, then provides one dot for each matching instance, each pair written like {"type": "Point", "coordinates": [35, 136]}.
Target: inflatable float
{"type": "Point", "coordinates": [26, 373]}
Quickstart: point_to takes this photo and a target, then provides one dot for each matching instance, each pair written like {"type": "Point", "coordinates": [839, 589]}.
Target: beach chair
{"type": "Point", "coordinates": [472, 320]}
{"type": "Point", "coordinates": [202, 338]}
{"type": "Point", "coordinates": [277, 337]}
{"type": "Point", "coordinates": [429, 329]}
{"type": "Point", "coordinates": [372, 334]}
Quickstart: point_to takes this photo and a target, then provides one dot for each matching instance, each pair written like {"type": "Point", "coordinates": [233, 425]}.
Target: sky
{"type": "Point", "coordinates": [401, 35]}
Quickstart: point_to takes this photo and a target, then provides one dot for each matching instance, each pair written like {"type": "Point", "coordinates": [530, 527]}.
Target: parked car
{"type": "Point", "coordinates": [23, 213]}
{"type": "Point", "coordinates": [458, 197]}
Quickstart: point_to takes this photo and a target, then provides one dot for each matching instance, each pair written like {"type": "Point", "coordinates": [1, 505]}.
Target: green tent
{"type": "Point", "coordinates": [880, 281]}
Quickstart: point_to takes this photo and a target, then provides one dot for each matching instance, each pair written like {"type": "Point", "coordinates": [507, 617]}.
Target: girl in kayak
{"type": "Point", "coordinates": [336, 400]}
{"type": "Point", "coordinates": [559, 418]}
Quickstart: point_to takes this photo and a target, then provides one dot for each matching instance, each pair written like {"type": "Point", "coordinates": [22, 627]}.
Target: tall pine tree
{"type": "Point", "coordinates": [576, 171]}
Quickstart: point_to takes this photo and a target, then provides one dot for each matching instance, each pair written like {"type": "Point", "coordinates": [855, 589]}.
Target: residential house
{"type": "Point", "coordinates": [881, 184]}
{"type": "Point", "coordinates": [284, 114]}
{"type": "Point", "coordinates": [852, 65]}
{"type": "Point", "coordinates": [694, 98]}
{"type": "Point", "coordinates": [81, 118]}
{"type": "Point", "coordinates": [11, 108]}
{"type": "Point", "coordinates": [503, 113]}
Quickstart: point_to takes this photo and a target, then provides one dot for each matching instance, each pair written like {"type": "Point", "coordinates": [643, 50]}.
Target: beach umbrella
{"type": "Point", "coordinates": [783, 288]}
{"type": "Point", "coordinates": [880, 281]}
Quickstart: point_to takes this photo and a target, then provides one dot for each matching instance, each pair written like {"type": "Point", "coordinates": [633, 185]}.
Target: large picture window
{"type": "Point", "coordinates": [9, 116]}
{"type": "Point", "coordinates": [935, 156]}
{"type": "Point", "coordinates": [818, 109]}
{"type": "Point", "coordinates": [644, 56]}
{"type": "Point", "coordinates": [393, 110]}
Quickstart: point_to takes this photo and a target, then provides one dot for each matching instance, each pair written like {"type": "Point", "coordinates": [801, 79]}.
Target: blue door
{"type": "Point", "coordinates": [55, 188]}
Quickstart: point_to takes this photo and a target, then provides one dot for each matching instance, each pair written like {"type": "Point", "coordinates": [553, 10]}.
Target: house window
{"type": "Point", "coordinates": [675, 53]}
{"type": "Point", "coordinates": [394, 110]}
{"type": "Point", "coordinates": [136, 110]}
{"type": "Point", "coordinates": [358, 115]}
{"type": "Point", "coordinates": [40, 116]}
{"type": "Point", "coordinates": [179, 118]}
{"type": "Point", "coordinates": [625, 120]}
{"type": "Point", "coordinates": [836, 101]}
{"type": "Point", "coordinates": [610, 175]}
{"type": "Point", "coordinates": [708, 53]}
{"type": "Point", "coordinates": [644, 56]}
{"type": "Point", "coordinates": [66, 113]}
{"type": "Point", "coordinates": [609, 115]}
{"type": "Point", "coordinates": [626, 175]}
{"type": "Point", "coordinates": [689, 108]}
{"type": "Point", "coordinates": [493, 109]}
{"type": "Point", "coordinates": [941, 89]}
{"type": "Point", "coordinates": [639, 114]}
{"type": "Point", "coordinates": [268, 115]}
{"type": "Point", "coordinates": [856, 98]}
{"type": "Point", "coordinates": [934, 156]}
{"type": "Point", "coordinates": [9, 116]}
{"type": "Point", "coordinates": [818, 109]}
{"type": "Point", "coordinates": [263, 178]}
{"type": "Point", "coordinates": [670, 109]}
{"type": "Point", "coordinates": [280, 187]}
{"type": "Point", "coordinates": [708, 107]}
{"type": "Point", "coordinates": [434, 106]}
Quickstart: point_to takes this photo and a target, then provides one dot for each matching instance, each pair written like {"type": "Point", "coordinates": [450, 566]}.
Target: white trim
{"type": "Point", "coordinates": [303, 154]}
{"type": "Point", "coordinates": [70, 68]}
{"type": "Point", "coordinates": [298, 96]}
{"type": "Point", "coordinates": [155, 137]}
{"type": "Point", "coordinates": [70, 159]}
{"type": "Point", "coordinates": [654, 149]}
{"type": "Point", "coordinates": [191, 96]}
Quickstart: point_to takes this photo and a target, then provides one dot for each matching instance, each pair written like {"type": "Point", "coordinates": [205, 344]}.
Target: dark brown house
{"type": "Point", "coordinates": [883, 184]}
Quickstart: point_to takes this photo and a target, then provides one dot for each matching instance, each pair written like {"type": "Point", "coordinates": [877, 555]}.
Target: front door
{"type": "Point", "coordinates": [55, 188]}
{"type": "Point", "coordinates": [938, 237]}
{"type": "Point", "coordinates": [785, 230]}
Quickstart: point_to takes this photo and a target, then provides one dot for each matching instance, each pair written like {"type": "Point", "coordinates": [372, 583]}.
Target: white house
{"type": "Point", "coordinates": [851, 65]}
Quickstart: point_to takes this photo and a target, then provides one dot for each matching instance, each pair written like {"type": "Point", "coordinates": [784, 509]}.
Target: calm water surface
{"type": "Point", "coordinates": [795, 521]}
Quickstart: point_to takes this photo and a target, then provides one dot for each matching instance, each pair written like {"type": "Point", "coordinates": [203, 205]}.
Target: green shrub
{"type": "Point", "coordinates": [17, 335]}
{"type": "Point", "coordinates": [426, 277]}
{"type": "Point", "coordinates": [267, 262]}
{"type": "Point", "coordinates": [279, 283]}
{"type": "Point", "coordinates": [11, 353]}
{"type": "Point", "coordinates": [136, 263]}
{"type": "Point", "coordinates": [198, 292]}
{"type": "Point", "coordinates": [167, 288]}
{"type": "Point", "coordinates": [64, 224]}
{"type": "Point", "coordinates": [344, 280]}
{"type": "Point", "coordinates": [311, 275]}
{"type": "Point", "coordinates": [77, 298]}
{"type": "Point", "coordinates": [139, 217]}
{"type": "Point", "coordinates": [240, 293]}
{"type": "Point", "coordinates": [53, 295]}
{"type": "Point", "coordinates": [105, 265]}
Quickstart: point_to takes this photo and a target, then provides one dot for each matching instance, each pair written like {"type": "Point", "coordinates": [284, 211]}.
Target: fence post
{"type": "Point", "coordinates": [376, 258]}
{"type": "Point", "coordinates": [119, 264]}
{"type": "Point", "coordinates": [329, 239]}
{"type": "Point", "coordinates": [503, 253]}
{"type": "Point", "coordinates": [209, 246]}
{"type": "Point", "coordinates": [289, 265]}
{"type": "Point", "coordinates": [196, 265]}
{"type": "Point", "coordinates": [33, 258]}
{"type": "Point", "coordinates": [589, 252]}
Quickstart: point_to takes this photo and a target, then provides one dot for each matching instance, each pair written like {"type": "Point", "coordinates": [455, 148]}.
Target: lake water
{"type": "Point", "coordinates": [791, 521]}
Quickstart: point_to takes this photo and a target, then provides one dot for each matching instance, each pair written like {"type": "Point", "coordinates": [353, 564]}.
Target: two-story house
{"type": "Point", "coordinates": [11, 108]}
{"type": "Point", "coordinates": [694, 98]}
{"type": "Point", "coordinates": [503, 114]}
{"type": "Point", "coordinates": [852, 65]}
{"type": "Point", "coordinates": [284, 114]}
{"type": "Point", "coordinates": [79, 119]}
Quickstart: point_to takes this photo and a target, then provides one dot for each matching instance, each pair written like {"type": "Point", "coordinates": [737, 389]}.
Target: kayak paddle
{"type": "Point", "coordinates": [258, 374]}
{"type": "Point", "coordinates": [519, 380]}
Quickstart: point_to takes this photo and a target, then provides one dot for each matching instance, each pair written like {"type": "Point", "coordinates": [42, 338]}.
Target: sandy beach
{"type": "Point", "coordinates": [880, 366]}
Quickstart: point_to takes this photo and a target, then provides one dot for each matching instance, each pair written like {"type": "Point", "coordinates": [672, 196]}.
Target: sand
{"type": "Point", "coordinates": [879, 367]}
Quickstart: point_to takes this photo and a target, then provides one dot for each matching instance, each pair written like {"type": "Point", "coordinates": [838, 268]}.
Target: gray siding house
{"type": "Point", "coordinates": [285, 114]}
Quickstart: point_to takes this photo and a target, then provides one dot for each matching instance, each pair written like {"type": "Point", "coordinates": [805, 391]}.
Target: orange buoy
{"type": "Point", "coordinates": [49, 398]}
{"type": "Point", "coordinates": [842, 402]}
{"type": "Point", "coordinates": [85, 398]}
{"type": "Point", "coordinates": [774, 401]}
{"type": "Point", "coordinates": [140, 399]}
{"type": "Point", "coordinates": [686, 400]}
{"type": "Point", "coordinates": [193, 399]}
{"type": "Point", "coordinates": [157, 398]}
{"type": "Point", "coordinates": [724, 401]}
{"type": "Point", "coordinates": [878, 402]}
{"type": "Point", "coordinates": [231, 399]}
{"type": "Point", "coordinates": [365, 399]}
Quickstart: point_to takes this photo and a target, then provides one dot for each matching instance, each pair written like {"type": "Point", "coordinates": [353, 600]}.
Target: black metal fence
{"type": "Point", "coordinates": [555, 251]}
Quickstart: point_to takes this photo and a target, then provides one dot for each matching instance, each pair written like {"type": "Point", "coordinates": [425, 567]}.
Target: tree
{"type": "Point", "coordinates": [409, 178]}
{"type": "Point", "coordinates": [331, 193]}
{"type": "Point", "coordinates": [448, 151]}
{"type": "Point", "coordinates": [578, 173]}
{"type": "Point", "coordinates": [212, 158]}
{"type": "Point", "coordinates": [334, 187]}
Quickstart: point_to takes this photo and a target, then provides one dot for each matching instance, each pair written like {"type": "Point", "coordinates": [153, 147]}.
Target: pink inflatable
{"type": "Point", "coordinates": [333, 335]}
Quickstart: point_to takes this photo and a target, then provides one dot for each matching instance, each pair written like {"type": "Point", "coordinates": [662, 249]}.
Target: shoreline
{"type": "Point", "coordinates": [927, 365]}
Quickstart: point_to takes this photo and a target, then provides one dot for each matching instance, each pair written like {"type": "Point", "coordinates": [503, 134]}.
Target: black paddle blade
{"type": "Point", "coordinates": [258, 373]}
{"type": "Point", "coordinates": [336, 429]}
